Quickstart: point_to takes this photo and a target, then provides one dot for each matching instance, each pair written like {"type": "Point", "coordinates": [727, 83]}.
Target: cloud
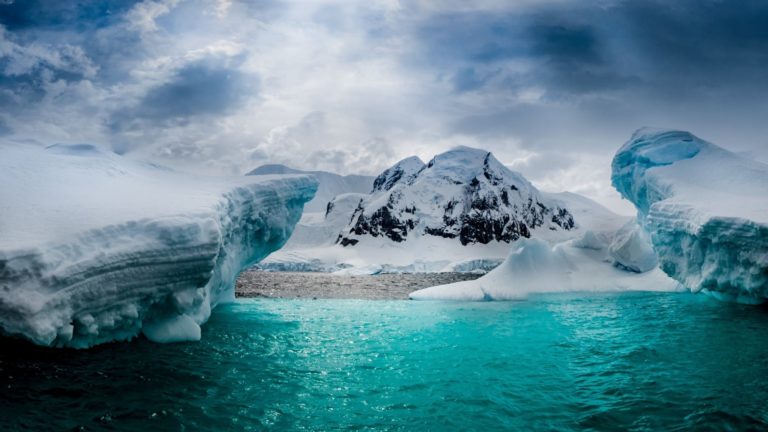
{"type": "Point", "coordinates": [37, 14]}
{"type": "Point", "coordinates": [219, 86]}
{"type": "Point", "coordinates": [313, 144]}
{"type": "Point", "coordinates": [195, 90]}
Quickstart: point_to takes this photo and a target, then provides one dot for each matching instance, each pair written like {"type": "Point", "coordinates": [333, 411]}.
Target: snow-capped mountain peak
{"type": "Point", "coordinates": [463, 193]}
{"type": "Point", "coordinates": [403, 171]}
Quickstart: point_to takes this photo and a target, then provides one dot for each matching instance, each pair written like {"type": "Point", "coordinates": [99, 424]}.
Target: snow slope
{"type": "Point", "coordinates": [330, 184]}
{"type": "Point", "coordinates": [96, 248]}
{"type": "Point", "coordinates": [706, 210]}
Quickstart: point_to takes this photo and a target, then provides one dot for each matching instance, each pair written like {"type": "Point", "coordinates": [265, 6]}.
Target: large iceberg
{"type": "Point", "coordinates": [706, 210]}
{"type": "Point", "coordinates": [95, 247]}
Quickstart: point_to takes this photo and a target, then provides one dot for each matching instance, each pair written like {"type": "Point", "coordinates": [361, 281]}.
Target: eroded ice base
{"type": "Point", "coordinates": [96, 248]}
{"type": "Point", "coordinates": [706, 210]}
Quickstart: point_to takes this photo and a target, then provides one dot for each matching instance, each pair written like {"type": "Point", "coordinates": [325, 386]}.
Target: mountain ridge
{"type": "Point", "coordinates": [463, 193]}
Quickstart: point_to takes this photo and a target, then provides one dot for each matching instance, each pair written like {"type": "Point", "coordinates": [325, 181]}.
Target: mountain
{"type": "Point", "coordinates": [464, 194]}
{"type": "Point", "coordinates": [330, 184]}
{"type": "Point", "coordinates": [459, 212]}
{"type": "Point", "coordinates": [702, 225]}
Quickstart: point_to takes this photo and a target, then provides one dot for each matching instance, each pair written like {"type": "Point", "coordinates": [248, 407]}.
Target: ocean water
{"type": "Point", "coordinates": [630, 361]}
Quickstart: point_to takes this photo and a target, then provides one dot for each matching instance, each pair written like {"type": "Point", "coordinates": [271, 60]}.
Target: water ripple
{"type": "Point", "coordinates": [636, 361]}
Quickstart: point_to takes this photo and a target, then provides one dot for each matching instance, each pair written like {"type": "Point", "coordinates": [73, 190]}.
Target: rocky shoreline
{"type": "Point", "coordinates": [298, 285]}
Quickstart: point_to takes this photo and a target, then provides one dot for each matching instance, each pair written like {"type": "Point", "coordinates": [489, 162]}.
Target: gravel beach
{"type": "Point", "coordinates": [324, 285]}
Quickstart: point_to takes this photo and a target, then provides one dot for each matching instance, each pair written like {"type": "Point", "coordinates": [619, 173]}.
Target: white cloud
{"type": "Point", "coordinates": [344, 86]}
{"type": "Point", "coordinates": [142, 17]}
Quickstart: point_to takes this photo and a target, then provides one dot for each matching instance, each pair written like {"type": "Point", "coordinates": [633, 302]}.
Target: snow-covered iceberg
{"type": "Point", "coordinates": [536, 266]}
{"type": "Point", "coordinates": [706, 210]}
{"type": "Point", "coordinates": [95, 247]}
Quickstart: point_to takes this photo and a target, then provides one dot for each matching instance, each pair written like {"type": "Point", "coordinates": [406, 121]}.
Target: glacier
{"type": "Point", "coordinates": [705, 209]}
{"type": "Point", "coordinates": [95, 247]}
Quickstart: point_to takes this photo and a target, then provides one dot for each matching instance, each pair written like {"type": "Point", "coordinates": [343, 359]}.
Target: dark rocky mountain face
{"type": "Point", "coordinates": [403, 171]}
{"type": "Point", "coordinates": [464, 193]}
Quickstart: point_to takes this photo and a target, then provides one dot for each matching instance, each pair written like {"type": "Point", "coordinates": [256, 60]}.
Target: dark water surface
{"type": "Point", "coordinates": [632, 361]}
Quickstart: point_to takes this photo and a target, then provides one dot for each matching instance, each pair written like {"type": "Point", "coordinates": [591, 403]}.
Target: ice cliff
{"type": "Point", "coordinates": [96, 248]}
{"type": "Point", "coordinates": [706, 210]}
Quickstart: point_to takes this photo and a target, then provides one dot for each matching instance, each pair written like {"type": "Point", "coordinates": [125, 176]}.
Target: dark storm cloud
{"type": "Point", "coordinates": [713, 46]}
{"type": "Point", "coordinates": [19, 90]}
{"type": "Point", "coordinates": [601, 70]}
{"type": "Point", "coordinates": [469, 38]}
{"type": "Point", "coordinates": [28, 68]}
{"type": "Point", "coordinates": [468, 79]}
{"type": "Point", "coordinates": [577, 49]}
{"type": "Point", "coordinates": [573, 58]}
{"type": "Point", "coordinates": [29, 14]}
{"type": "Point", "coordinates": [202, 88]}
{"type": "Point", "coordinates": [553, 83]}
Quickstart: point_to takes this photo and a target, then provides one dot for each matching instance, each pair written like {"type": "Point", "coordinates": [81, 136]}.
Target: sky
{"type": "Point", "coordinates": [218, 87]}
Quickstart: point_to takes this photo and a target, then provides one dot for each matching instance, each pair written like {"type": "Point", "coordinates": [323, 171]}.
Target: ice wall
{"type": "Point", "coordinates": [96, 248]}
{"type": "Point", "coordinates": [706, 210]}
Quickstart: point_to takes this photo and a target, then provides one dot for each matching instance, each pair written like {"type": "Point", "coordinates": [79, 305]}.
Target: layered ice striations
{"type": "Point", "coordinates": [97, 248]}
{"type": "Point", "coordinates": [706, 210]}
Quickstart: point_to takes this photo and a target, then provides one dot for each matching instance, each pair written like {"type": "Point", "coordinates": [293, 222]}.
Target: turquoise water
{"type": "Point", "coordinates": [632, 361]}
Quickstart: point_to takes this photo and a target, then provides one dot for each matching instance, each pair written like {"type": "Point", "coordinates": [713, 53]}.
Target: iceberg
{"type": "Point", "coordinates": [535, 266]}
{"type": "Point", "coordinates": [705, 208]}
{"type": "Point", "coordinates": [95, 247]}
{"type": "Point", "coordinates": [631, 248]}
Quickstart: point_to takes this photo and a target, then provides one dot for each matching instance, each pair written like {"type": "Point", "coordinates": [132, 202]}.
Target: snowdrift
{"type": "Point", "coordinates": [97, 248]}
{"type": "Point", "coordinates": [706, 210]}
